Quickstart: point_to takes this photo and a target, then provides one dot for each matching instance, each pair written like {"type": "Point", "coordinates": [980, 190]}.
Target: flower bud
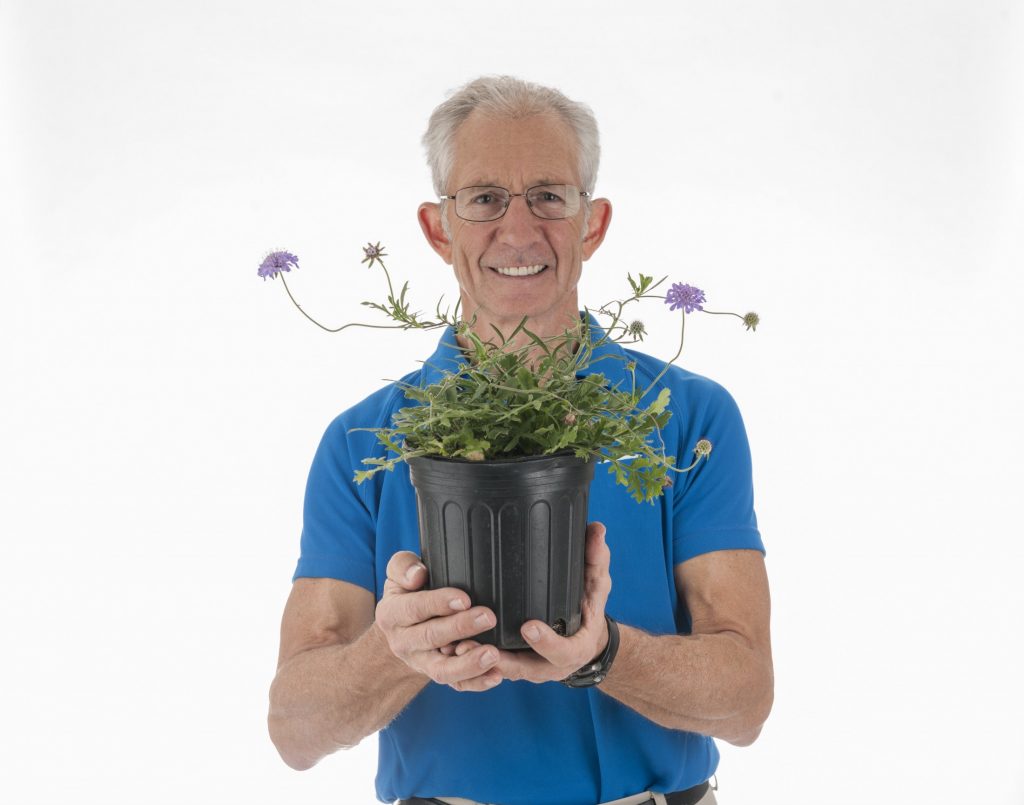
{"type": "Point", "coordinates": [637, 329]}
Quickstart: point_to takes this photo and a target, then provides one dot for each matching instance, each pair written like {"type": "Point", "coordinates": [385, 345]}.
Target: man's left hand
{"type": "Point", "coordinates": [556, 657]}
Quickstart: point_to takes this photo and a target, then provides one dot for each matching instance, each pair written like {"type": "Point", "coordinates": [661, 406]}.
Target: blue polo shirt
{"type": "Point", "coordinates": [522, 743]}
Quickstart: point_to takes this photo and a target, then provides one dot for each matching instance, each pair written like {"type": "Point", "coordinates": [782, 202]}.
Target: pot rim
{"type": "Point", "coordinates": [510, 460]}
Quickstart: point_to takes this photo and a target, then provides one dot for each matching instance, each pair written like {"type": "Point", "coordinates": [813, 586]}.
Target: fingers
{"type": "Point", "coordinates": [597, 554]}
{"type": "Point", "coordinates": [437, 632]}
{"type": "Point", "coordinates": [425, 621]}
{"type": "Point", "coordinates": [464, 646]}
{"type": "Point", "coordinates": [471, 671]}
{"type": "Point", "coordinates": [406, 571]}
{"type": "Point", "coordinates": [597, 579]}
{"type": "Point", "coordinates": [424, 628]}
{"type": "Point", "coordinates": [480, 683]}
{"type": "Point", "coordinates": [563, 654]}
{"type": "Point", "coordinates": [516, 665]}
{"type": "Point", "coordinates": [409, 608]}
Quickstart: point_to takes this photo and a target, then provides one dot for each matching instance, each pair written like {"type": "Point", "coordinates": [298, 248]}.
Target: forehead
{"type": "Point", "coordinates": [514, 153]}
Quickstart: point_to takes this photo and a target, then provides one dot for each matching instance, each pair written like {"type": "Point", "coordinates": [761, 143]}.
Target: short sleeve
{"type": "Point", "coordinates": [338, 528]}
{"type": "Point", "coordinates": [714, 506]}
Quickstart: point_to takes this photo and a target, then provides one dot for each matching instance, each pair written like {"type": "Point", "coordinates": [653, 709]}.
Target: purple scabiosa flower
{"type": "Point", "coordinates": [276, 262]}
{"type": "Point", "coordinates": [686, 297]}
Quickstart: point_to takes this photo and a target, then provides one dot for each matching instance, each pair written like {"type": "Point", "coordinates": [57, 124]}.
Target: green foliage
{"type": "Point", "coordinates": [524, 396]}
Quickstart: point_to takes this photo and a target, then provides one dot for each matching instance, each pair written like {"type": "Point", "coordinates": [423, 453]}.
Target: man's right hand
{"type": "Point", "coordinates": [421, 626]}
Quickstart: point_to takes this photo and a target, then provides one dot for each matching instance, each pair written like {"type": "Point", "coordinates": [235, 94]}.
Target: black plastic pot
{"type": "Point", "coordinates": [511, 533]}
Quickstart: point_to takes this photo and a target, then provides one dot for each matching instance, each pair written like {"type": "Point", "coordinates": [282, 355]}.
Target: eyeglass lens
{"type": "Point", "coordinates": [490, 203]}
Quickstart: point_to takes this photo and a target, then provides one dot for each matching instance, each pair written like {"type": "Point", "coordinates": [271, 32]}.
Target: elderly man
{"type": "Point", "coordinates": [684, 655]}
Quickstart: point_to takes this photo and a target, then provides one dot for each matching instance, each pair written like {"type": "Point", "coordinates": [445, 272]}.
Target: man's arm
{"type": "Point", "coordinates": [716, 681]}
{"type": "Point", "coordinates": [346, 670]}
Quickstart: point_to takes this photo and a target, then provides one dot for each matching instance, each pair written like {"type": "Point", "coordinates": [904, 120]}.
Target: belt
{"type": "Point", "coordinates": [690, 796]}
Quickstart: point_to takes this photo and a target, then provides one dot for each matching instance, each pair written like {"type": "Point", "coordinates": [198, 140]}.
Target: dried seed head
{"type": "Point", "coordinates": [751, 320]}
{"type": "Point", "coordinates": [373, 252]}
{"type": "Point", "coordinates": [703, 448]}
{"type": "Point", "coordinates": [569, 419]}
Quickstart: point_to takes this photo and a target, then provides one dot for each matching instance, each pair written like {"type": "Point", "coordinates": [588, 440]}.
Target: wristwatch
{"type": "Point", "coordinates": [594, 672]}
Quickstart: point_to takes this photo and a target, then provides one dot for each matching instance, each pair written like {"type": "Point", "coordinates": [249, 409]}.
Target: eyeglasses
{"type": "Point", "coordinates": [550, 201]}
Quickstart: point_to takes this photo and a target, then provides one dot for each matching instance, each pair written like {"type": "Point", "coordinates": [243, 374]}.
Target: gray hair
{"type": "Point", "coordinates": [509, 97]}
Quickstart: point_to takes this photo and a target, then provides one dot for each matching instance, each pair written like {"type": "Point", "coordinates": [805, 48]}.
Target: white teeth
{"type": "Point", "coordinates": [520, 271]}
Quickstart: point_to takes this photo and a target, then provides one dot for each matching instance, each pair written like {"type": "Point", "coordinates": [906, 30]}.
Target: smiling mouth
{"type": "Point", "coordinates": [519, 271]}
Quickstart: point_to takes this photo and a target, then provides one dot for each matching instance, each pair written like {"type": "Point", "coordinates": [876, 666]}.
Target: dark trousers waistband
{"type": "Point", "coordinates": [690, 796]}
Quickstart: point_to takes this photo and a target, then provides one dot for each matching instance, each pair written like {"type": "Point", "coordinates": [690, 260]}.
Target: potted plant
{"type": "Point", "coordinates": [502, 449]}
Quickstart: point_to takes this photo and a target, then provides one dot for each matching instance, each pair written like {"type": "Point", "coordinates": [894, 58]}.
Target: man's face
{"type": "Point", "coordinates": [517, 155]}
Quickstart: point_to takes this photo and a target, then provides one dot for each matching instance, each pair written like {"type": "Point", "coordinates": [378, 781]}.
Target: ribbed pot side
{"type": "Point", "coordinates": [511, 533]}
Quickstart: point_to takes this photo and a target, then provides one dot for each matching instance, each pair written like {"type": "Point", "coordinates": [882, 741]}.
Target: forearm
{"type": "Point", "coordinates": [713, 684]}
{"type": "Point", "coordinates": [330, 698]}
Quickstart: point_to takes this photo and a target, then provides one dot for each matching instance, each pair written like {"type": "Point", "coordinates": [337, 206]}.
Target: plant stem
{"type": "Point", "coordinates": [661, 374]}
{"type": "Point", "coordinates": [350, 324]}
{"type": "Point", "coordinates": [722, 313]}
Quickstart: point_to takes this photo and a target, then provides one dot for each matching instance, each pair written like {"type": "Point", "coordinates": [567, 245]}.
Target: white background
{"type": "Point", "coordinates": [851, 170]}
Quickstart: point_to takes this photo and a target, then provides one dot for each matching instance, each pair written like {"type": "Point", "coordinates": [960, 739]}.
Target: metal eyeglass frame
{"type": "Point", "coordinates": [526, 198]}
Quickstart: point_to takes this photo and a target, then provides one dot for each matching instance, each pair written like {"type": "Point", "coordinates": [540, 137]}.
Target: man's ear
{"type": "Point", "coordinates": [429, 215]}
{"type": "Point", "coordinates": [600, 217]}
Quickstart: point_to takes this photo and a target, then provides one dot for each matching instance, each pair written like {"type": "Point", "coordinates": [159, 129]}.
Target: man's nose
{"type": "Point", "coordinates": [518, 224]}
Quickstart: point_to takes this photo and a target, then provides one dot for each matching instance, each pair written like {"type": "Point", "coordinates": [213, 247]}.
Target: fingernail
{"type": "Point", "coordinates": [532, 632]}
{"type": "Point", "coordinates": [483, 619]}
{"type": "Point", "coordinates": [410, 574]}
{"type": "Point", "coordinates": [491, 681]}
{"type": "Point", "coordinates": [488, 658]}
{"type": "Point", "coordinates": [457, 603]}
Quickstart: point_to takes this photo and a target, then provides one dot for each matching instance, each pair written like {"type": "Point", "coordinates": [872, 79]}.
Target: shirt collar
{"type": "Point", "coordinates": [608, 359]}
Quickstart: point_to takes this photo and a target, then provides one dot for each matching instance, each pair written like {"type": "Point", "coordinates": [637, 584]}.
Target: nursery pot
{"type": "Point", "coordinates": [511, 533]}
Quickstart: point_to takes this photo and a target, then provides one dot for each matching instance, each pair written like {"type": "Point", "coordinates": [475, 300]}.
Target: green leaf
{"type": "Point", "coordinates": [525, 378]}
{"type": "Point", "coordinates": [661, 403]}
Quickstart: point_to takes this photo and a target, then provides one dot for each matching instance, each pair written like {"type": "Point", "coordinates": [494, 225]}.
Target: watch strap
{"type": "Point", "coordinates": [594, 672]}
